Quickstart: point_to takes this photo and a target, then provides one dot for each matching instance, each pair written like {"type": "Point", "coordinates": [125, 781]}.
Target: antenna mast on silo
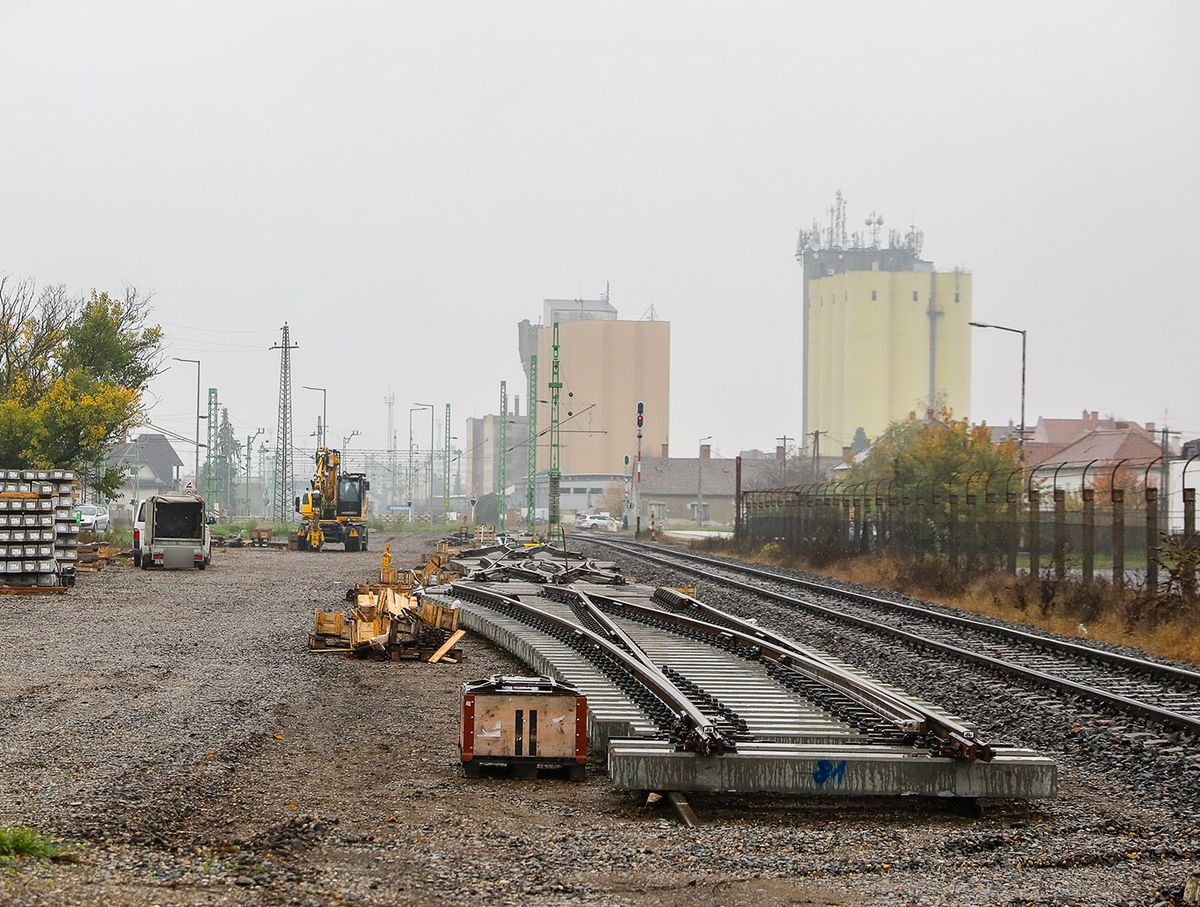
{"type": "Point", "coordinates": [283, 429]}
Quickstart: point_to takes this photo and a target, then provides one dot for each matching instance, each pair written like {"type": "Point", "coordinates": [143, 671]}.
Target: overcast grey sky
{"type": "Point", "coordinates": [404, 182]}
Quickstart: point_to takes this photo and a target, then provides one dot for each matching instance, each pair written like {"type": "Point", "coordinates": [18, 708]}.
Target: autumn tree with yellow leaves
{"type": "Point", "coordinates": [933, 457]}
{"type": "Point", "coordinates": [72, 374]}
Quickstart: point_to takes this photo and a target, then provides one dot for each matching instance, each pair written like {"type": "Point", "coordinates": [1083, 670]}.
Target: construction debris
{"type": "Point", "coordinates": [391, 618]}
{"type": "Point", "coordinates": [537, 564]}
{"type": "Point", "coordinates": [92, 557]}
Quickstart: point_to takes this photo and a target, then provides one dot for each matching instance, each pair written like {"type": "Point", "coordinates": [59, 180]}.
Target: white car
{"type": "Point", "coordinates": [599, 521]}
{"type": "Point", "coordinates": [93, 518]}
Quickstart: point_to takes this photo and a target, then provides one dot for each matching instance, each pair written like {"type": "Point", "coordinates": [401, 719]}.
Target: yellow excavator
{"type": "Point", "coordinates": [334, 509]}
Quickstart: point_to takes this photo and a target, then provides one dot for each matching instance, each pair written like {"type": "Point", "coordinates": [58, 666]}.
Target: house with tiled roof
{"type": "Point", "coordinates": [1100, 448]}
{"type": "Point", "coordinates": [670, 484]}
{"type": "Point", "coordinates": [151, 466]}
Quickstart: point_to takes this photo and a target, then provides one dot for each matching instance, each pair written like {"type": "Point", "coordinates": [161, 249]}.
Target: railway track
{"type": "Point", "coordinates": [684, 696]}
{"type": "Point", "coordinates": [1159, 693]}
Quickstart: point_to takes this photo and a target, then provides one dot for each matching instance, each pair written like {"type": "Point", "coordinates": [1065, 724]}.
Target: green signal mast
{"type": "Point", "coordinates": [554, 530]}
{"type": "Point", "coordinates": [501, 458]}
{"type": "Point", "coordinates": [531, 478]}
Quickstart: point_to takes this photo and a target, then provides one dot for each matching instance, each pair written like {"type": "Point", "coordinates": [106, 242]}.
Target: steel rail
{"type": "Point", "coordinates": [905, 715]}
{"type": "Point", "coordinates": [704, 737]}
{"type": "Point", "coordinates": [1063, 684]}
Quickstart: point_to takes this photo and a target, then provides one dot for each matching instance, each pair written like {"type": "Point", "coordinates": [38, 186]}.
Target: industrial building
{"type": "Point", "coordinates": [607, 366]}
{"type": "Point", "coordinates": [481, 451]}
{"type": "Point", "coordinates": [885, 334]}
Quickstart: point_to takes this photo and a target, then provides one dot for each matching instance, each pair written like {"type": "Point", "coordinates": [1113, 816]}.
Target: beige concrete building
{"type": "Point", "coordinates": [606, 367]}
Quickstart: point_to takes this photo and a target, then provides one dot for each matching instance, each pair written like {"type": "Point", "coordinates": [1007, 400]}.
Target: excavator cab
{"type": "Point", "coordinates": [351, 492]}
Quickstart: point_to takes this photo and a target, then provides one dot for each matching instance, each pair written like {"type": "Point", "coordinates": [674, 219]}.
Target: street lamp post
{"type": "Point", "coordinates": [412, 473]}
{"type": "Point", "coordinates": [324, 414]}
{"type": "Point", "coordinates": [196, 476]}
{"type": "Point", "coordinates": [249, 460]}
{"type": "Point", "coordinates": [1000, 327]}
{"type": "Point", "coordinates": [700, 481]}
{"type": "Point", "coordinates": [432, 445]}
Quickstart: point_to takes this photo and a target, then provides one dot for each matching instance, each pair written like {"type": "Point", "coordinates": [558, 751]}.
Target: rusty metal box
{"type": "Point", "coordinates": [523, 723]}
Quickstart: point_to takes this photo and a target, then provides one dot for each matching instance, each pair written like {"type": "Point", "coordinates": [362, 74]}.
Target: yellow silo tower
{"type": "Point", "coordinates": [885, 335]}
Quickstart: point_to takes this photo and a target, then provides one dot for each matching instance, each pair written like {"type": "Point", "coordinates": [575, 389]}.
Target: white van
{"type": "Point", "coordinates": [171, 531]}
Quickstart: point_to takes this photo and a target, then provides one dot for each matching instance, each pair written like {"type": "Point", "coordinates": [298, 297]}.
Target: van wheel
{"type": "Point", "coordinates": [137, 558]}
{"type": "Point", "coordinates": [201, 565]}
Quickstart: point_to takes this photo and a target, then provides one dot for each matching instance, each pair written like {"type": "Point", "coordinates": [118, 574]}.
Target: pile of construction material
{"type": "Point", "coordinates": [39, 533]}
{"type": "Point", "coordinates": [391, 619]}
{"type": "Point", "coordinates": [92, 557]}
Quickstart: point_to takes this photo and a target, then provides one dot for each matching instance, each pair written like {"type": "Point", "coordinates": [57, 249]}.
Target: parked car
{"type": "Point", "coordinates": [599, 521]}
{"type": "Point", "coordinates": [171, 530]}
{"type": "Point", "coordinates": [93, 518]}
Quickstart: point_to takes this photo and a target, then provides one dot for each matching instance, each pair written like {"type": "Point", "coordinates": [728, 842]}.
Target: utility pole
{"type": "Point", "coordinates": [137, 475]}
{"type": "Point", "coordinates": [323, 423]}
{"type": "Point", "coordinates": [502, 458]}
{"type": "Point", "coordinates": [446, 466]}
{"type": "Point", "coordinates": [410, 473]}
{"type": "Point", "coordinates": [262, 480]}
{"type": "Point", "coordinates": [283, 429]}
{"type": "Point", "coordinates": [783, 441]}
{"type": "Point", "coordinates": [249, 460]}
{"type": "Point", "coordinates": [390, 402]}
{"type": "Point", "coordinates": [1024, 338]}
{"type": "Point", "coordinates": [700, 481]}
{"type": "Point", "coordinates": [531, 453]}
{"type": "Point", "coordinates": [637, 477]}
{"type": "Point", "coordinates": [196, 476]}
{"type": "Point", "coordinates": [817, 452]}
{"type": "Point", "coordinates": [432, 443]}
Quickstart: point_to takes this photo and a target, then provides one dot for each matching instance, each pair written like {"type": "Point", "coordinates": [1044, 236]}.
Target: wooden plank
{"type": "Point", "coordinates": [447, 646]}
{"type": "Point", "coordinates": [683, 809]}
{"type": "Point", "coordinates": [32, 590]}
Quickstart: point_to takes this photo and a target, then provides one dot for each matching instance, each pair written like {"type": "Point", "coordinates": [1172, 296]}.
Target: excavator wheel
{"type": "Point", "coordinates": [352, 543]}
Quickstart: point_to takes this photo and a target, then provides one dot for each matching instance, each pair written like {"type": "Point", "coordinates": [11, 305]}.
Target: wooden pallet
{"type": "Point", "coordinates": [32, 590]}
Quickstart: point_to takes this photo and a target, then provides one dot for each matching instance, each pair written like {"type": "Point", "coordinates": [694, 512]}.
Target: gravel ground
{"type": "Point", "coordinates": [174, 728]}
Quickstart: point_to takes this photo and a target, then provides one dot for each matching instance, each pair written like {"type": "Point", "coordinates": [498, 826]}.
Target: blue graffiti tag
{"type": "Point", "coordinates": [826, 770]}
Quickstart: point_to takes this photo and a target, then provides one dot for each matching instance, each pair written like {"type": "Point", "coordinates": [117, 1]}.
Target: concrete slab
{"type": "Point", "coordinates": [824, 770]}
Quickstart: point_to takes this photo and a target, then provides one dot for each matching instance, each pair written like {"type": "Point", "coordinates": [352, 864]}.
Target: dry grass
{"type": "Point", "coordinates": [1163, 626]}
